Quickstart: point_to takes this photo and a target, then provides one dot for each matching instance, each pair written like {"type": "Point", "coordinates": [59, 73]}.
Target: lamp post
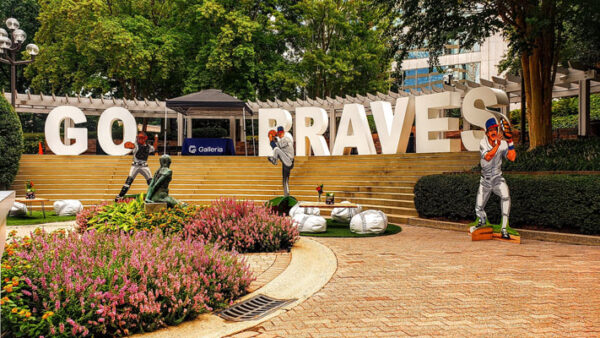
{"type": "Point", "coordinates": [10, 44]}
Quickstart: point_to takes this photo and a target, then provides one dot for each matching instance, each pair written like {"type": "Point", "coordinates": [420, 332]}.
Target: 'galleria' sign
{"type": "Point", "coordinates": [393, 127]}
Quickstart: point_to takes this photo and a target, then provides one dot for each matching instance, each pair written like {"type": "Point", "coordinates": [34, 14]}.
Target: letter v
{"type": "Point", "coordinates": [394, 129]}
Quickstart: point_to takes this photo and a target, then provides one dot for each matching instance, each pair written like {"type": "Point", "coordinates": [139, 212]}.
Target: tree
{"type": "Point", "coordinates": [130, 49]}
{"type": "Point", "coordinates": [534, 29]}
{"type": "Point", "coordinates": [341, 47]}
{"type": "Point", "coordinates": [26, 11]}
{"type": "Point", "coordinates": [11, 144]}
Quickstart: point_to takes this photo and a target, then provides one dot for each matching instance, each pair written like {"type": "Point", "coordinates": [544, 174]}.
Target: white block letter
{"type": "Point", "coordinates": [428, 110]}
{"type": "Point", "coordinates": [358, 136]}
{"type": "Point", "coordinates": [269, 119]}
{"type": "Point", "coordinates": [394, 128]}
{"type": "Point", "coordinates": [105, 123]}
{"type": "Point", "coordinates": [314, 133]}
{"type": "Point", "coordinates": [52, 131]}
{"type": "Point", "coordinates": [474, 111]}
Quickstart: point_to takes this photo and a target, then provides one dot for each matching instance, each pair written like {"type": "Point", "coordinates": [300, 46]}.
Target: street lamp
{"type": "Point", "coordinates": [10, 44]}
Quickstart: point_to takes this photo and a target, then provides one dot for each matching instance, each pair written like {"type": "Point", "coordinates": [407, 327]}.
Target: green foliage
{"type": "Point", "coordinates": [130, 215]}
{"type": "Point", "coordinates": [210, 132]}
{"type": "Point", "coordinates": [31, 142]}
{"type": "Point", "coordinates": [565, 155]}
{"type": "Point", "coordinates": [282, 204]}
{"type": "Point", "coordinates": [565, 106]}
{"type": "Point", "coordinates": [553, 201]}
{"type": "Point", "coordinates": [11, 144]}
{"type": "Point", "coordinates": [276, 49]}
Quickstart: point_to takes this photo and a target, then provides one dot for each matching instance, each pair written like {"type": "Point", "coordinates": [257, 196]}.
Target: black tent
{"type": "Point", "coordinates": [212, 102]}
{"type": "Point", "coordinates": [208, 100]}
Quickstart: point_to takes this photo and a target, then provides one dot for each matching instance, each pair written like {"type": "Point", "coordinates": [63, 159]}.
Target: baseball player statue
{"type": "Point", "coordinates": [283, 150]}
{"type": "Point", "coordinates": [141, 151]}
{"type": "Point", "coordinates": [493, 148]}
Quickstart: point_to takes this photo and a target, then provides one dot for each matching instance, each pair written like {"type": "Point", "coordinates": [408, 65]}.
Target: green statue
{"type": "Point", "coordinates": [158, 190]}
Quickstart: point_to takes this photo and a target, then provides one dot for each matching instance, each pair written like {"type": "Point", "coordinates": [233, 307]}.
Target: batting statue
{"type": "Point", "coordinates": [493, 148]}
{"type": "Point", "coordinates": [283, 150]}
{"type": "Point", "coordinates": [141, 151]}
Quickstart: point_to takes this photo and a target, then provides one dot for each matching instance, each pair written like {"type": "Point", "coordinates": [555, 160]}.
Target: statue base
{"type": "Point", "coordinates": [492, 231]}
{"type": "Point", "coordinates": [152, 208]}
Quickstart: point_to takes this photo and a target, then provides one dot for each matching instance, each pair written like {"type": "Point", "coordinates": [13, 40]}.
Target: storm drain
{"type": "Point", "coordinates": [253, 308]}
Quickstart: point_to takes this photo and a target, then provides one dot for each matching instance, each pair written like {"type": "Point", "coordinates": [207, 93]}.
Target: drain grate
{"type": "Point", "coordinates": [253, 308]}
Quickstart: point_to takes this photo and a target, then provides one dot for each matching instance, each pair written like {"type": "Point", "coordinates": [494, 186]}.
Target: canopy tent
{"type": "Point", "coordinates": [211, 103]}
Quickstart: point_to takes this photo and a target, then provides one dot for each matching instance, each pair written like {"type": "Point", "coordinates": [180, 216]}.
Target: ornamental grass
{"type": "Point", "coordinates": [113, 284]}
{"type": "Point", "coordinates": [243, 226]}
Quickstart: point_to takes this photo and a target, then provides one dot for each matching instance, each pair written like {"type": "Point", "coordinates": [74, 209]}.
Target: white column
{"type": "Point", "coordinates": [584, 108]}
{"type": "Point", "coordinates": [179, 129]}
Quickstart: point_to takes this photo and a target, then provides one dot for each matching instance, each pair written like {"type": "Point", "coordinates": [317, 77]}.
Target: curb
{"type": "Point", "coordinates": [311, 267]}
{"type": "Point", "coordinates": [547, 236]}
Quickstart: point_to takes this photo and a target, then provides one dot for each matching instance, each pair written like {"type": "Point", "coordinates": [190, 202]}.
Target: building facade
{"type": "Point", "coordinates": [456, 64]}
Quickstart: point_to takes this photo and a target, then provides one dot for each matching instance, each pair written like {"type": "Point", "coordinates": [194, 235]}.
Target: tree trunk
{"type": "Point", "coordinates": [537, 77]}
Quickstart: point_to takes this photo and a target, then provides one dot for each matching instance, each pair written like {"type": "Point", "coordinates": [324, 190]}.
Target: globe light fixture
{"type": "Point", "coordinates": [32, 49]}
{"type": "Point", "coordinates": [10, 44]}
{"type": "Point", "coordinates": [12, 23]}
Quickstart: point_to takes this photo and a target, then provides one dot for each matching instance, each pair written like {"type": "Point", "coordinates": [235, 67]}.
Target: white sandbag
{"type": "Point", "coordinates": [369, 222]}
{"type": "Point", "coordinates": [67, 207]}
{"type": "Point", "coordinates": [310, 223]}
{"type": "Point", "coordinates": [298, 210]}
{"type": "Point", "coordinates": [18, 209]}
{"type": "Point", "coordinates": [344, 215]}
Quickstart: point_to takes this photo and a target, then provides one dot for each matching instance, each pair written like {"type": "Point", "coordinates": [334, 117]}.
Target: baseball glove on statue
{"type": "Point", "coordinates": [507, 130]}
{"type": "Point", "coordinates": [272, 136]}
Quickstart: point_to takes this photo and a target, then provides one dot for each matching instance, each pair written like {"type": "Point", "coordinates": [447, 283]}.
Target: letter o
{"type": "Point", "coordinates": [108, 117]}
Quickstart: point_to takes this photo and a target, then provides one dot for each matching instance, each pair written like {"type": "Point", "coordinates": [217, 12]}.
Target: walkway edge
{"type": "Point", "coordinates": [547, 236]}
{"type": "Point", "coordinates": [311, 267]}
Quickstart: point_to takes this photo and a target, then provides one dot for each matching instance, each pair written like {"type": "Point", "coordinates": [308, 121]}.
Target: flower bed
{"type": "Point", "coordinates": [129, 215]}
{"type": "Point", "coordinates": [113, 283]}
{"type": "Point", "coordinates": [243, 226]}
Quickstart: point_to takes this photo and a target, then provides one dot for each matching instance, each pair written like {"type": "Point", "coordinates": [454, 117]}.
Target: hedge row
{"type": "Point", "coordinates": [11, 143]}
{"type": "Point", "coordinates": [562, 155]}
{"type": "Point", "coordinates": [554, 201]}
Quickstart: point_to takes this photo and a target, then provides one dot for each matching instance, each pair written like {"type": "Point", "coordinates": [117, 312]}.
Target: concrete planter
{"type": "Point", "coordinates": [7, 199]}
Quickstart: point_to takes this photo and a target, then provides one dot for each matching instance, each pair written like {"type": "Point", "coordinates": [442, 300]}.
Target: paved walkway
{"type": "Point", "coordinates": [434, 282]}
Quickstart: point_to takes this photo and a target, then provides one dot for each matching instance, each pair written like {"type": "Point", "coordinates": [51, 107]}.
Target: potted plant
{"type": "Point", "coordinates": [329, 198]}
{"type": "Point", "coordinates": [29, 190]}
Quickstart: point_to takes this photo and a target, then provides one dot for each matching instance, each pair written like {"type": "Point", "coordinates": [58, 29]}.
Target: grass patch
{"type": "Point", "coordinates": [337, 229]}
{"type": "Point", "coordinates": [38, 218]}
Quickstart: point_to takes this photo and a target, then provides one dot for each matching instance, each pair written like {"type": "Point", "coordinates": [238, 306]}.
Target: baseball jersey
{"type": "Point", "coordinates": [493, 167]}
{"type": "Point", "coordinates": [140, 153]}
{"type": "Point", "coordinates": [287, 146]}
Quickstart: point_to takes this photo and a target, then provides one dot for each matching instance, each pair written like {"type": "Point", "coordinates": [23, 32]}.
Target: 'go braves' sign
{"type": "Point", "coordinates": [393, 127]}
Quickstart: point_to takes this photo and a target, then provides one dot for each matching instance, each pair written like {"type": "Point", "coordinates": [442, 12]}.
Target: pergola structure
{"type": "Point", "coordinates": [569, 82]}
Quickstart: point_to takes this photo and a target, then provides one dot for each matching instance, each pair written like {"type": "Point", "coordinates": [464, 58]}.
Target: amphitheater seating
{"type": "Point", "coordinates": [383, 182]}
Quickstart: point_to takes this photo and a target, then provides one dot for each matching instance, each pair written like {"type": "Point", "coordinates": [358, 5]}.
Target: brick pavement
{"type": "Point", "coordinates": [266, 266]}
{"type": "Point", "coordinates": [426, 281]}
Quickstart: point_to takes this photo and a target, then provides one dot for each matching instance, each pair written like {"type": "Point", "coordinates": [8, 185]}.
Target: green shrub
{"type": "Point", "coordinates": [11, 144]}
{"type": "Point", "coordinates": [562, 155]}
{"type": "Point", "coordinates": [31, 142]}
{"type": "Point", "coordinates": [554, 201]}
{"type": "Point", "coordinates": [210, 132]}
{"type": "Point", "coordinates": [130, 215]}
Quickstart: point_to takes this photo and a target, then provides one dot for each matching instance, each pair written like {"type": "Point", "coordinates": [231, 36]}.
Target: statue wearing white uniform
{"type": "Point", "coordinates": [493, 149]}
